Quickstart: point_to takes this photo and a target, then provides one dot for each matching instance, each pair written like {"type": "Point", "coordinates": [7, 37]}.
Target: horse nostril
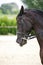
{"type": "Point", "coordinates": [18, 41]}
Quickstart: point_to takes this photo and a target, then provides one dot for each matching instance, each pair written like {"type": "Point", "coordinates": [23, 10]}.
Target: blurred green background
{"type": "Point", "coordinates": [33, 4]}
{"type": "Point", "coordinates": [6, 21]}
{"type": "Point", "coordinates": [8, 13]}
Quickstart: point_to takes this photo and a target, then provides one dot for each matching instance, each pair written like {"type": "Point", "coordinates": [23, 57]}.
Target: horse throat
{"type": "Point", "coordinates": [38, 30]}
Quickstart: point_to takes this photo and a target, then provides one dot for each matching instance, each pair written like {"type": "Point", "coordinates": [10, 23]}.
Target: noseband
{"type": "Point", "coordinates": [26, 35]}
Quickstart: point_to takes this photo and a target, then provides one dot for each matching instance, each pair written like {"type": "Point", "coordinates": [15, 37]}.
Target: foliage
{"type": "Point", "coordinates": [0, 11]}
{"type": "Point", "coordinates": [5, 21]}
{"type": "Point", "coordinates": [36, 4]}
{"type": "Point", "coordinates": [9, 8]}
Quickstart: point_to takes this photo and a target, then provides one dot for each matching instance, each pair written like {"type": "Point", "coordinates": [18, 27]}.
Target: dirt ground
{"type": "Point", "coordinates": [12, 54]}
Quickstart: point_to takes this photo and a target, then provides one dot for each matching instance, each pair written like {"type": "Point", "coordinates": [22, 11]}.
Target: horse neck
{"type": "Point", "coordinates": [39, 30]}
{"type": "Point", "coordinates": [35, 17]}
{"type": "Point", "coordinates": [37, 22]}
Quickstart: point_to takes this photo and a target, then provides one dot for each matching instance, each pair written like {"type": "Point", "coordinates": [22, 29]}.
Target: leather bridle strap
{"type": "Point", "coordinates": [26, 35]}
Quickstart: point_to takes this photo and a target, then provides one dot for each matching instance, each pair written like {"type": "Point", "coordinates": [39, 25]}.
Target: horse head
{"type": "Point", "coordinates": [23, 26]}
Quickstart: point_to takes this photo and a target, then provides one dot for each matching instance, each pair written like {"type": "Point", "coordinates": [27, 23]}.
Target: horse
{"type": "Point", "coordinates": [29, 19]}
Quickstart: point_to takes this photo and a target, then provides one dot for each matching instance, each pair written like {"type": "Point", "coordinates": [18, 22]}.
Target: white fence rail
{"type": "Point", "coordinates": [8, 26]}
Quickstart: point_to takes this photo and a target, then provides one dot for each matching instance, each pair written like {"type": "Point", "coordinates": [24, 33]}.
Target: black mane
{"type": "Point", "coordinates": [39, 12]}
{"type": "Point", "coordinates": [27, 10]}
{"type": "Point", "coordinates": [36, 11]}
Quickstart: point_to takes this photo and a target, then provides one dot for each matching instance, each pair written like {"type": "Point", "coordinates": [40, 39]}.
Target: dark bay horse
{"type": "Point", "coordinates": [27, 20]}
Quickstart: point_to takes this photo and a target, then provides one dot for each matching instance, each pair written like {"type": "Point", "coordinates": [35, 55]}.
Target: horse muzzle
{"type": "Point", "coordinates": [21, 42]}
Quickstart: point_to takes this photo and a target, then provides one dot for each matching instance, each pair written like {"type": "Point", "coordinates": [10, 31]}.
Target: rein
{"type": "Point", "coordinates": [26, 35]}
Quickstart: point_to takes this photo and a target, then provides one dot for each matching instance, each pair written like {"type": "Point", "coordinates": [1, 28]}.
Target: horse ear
{"type": "Point", "coordinates": [22, 10]}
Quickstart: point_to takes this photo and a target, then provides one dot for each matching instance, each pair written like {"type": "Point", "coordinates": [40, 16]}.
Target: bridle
{"type": "Point", "coordinates": [26, 35]}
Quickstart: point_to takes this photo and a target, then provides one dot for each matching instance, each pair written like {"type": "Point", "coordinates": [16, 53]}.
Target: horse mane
{"type": "Point", "coordinates": [39, 12]}
{"type": "Point", "coordinates": [36, 11]}
{"type": "Point", "coordinates": [27, 10]}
